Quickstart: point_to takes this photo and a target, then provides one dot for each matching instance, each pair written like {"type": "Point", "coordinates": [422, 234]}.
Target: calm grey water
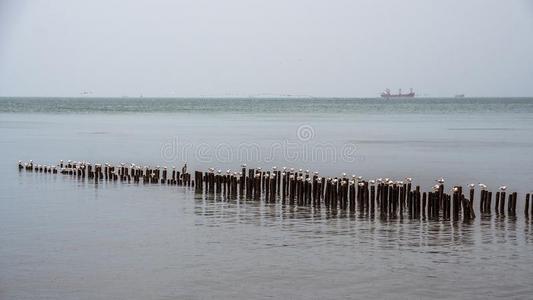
{"type": "Point", "coordinates": [61, 238]}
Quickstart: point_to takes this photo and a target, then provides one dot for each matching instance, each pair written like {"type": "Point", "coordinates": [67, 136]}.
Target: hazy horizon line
{"type": "Point", "coordinates": [263, 97]}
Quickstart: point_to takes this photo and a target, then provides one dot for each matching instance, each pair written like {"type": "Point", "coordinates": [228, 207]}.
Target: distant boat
{"type": "Point", "coordinates": [387, 94]}
{"type": "Point", "coordinates": [459, 96]}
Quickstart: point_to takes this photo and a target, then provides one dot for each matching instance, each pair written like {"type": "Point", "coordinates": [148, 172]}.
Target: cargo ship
{"type": "Point", "coordinates": [387, 94]}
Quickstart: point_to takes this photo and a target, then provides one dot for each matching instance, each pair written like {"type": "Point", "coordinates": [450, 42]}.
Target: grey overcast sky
{"type": "Point", "coordinates": [279, 47]}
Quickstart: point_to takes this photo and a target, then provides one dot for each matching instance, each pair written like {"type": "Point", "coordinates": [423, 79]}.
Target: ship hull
{"type": "Point", "coordinates": [398, 96]}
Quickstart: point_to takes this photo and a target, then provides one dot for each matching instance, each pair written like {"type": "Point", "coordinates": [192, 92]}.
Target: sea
{"type": "Point", "coordinates": [66, 238]}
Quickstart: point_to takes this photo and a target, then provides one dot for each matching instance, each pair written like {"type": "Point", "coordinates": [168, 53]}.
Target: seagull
{"type": "Point", "coordinates": [503, 188]}
{"type": "Point", "coordinates": [483, 186]}
{"type": "Point", "coordinates": [441, 180]}
{"type": "Point", "coordinates": [408, 179]}
{"type": "Point", "coordinates": [274, 168]}
{"type": "Point", "coordinates": [471, 185]}
{"type": "Point", "coordinates": [243, 165]}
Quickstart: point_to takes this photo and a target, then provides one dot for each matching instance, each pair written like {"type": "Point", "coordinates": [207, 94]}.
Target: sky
{"type": "Point", "coordinates": [241, 48]}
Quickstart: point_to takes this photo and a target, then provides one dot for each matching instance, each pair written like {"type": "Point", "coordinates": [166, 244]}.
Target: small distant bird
{"type": "Point", "coordinates": [503, 188]}
{"type": "Point", "coordinates": [440, 180]}
{"type": "Point", "coordinates": [483, 186]}
{"type": "Point", "coordinates": [371, 181]}
{"type": "Point", "coordinates": [259, 168]}
{"type": "Point", "coordinates": [359, 177]}
{"type": "Point", "coordinates": [343, 174]}
{"type": "Point", "coordinates": [243, 165]}
{"type": "Point", "coordinates": [408, 179]}
{"type": "Point", "coordinates": [471, 185]}
{"type": "Point", "coordinates": [436, 187]}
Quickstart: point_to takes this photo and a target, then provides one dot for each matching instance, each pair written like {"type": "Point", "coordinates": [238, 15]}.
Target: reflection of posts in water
{"type": "Point", "coordinates": [298, 188]}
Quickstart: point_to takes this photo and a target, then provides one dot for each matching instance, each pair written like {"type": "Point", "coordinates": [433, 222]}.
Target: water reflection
{"type": "Point", "coordinates": [358, 227]}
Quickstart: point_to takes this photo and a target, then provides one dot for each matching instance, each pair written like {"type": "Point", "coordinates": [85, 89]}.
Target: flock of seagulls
{"type": "Point", "coordinates": [355, 179]}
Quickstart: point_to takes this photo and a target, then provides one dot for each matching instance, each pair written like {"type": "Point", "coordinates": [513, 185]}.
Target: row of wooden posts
{"type": "Point", "coordinates": [384, 197]}
{"type": "Point", "coordinates": [109, 172]}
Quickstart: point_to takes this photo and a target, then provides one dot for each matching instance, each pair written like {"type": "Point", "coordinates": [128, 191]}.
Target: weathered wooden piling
{"type": "Point", "coordinates": [526, 208]}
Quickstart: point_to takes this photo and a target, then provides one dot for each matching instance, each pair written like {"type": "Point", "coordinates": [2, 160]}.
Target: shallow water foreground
{"type": "Point", "coordinates": [72, 239]}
